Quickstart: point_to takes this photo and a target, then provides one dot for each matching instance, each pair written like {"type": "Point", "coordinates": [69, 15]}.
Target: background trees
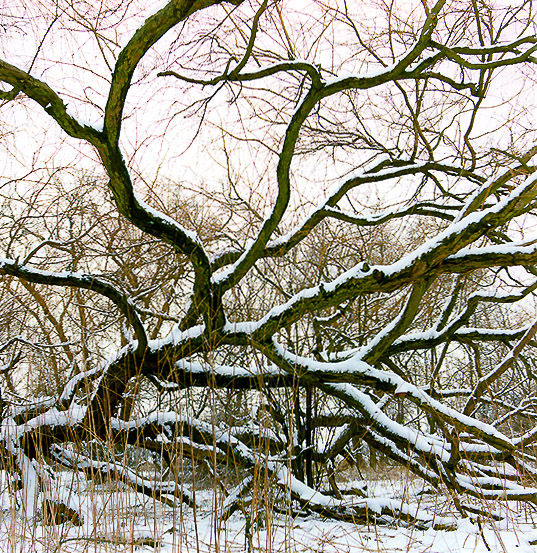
{"type": "Point", "coordinates": [321, 214]}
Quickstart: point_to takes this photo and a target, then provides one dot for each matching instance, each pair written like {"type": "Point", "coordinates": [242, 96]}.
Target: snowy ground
{"type": "Point", "coordinates": [123, 521]}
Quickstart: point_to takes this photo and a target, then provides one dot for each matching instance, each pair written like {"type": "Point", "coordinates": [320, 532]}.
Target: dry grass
{"type": "Point", "coordinates": [118, 520]}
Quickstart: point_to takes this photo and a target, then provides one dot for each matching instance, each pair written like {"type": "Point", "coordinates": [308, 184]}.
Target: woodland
{"type": "Point", "coordinates": [263, 244]}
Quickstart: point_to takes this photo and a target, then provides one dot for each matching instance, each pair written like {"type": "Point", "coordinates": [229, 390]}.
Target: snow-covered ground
{"type": "Point", "coordinates": [118, 520]}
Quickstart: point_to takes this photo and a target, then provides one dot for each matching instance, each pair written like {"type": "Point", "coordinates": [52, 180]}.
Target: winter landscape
{"type": "Point", "coordinates": [267, 276]}
{"type": "Point", "coordinates": [125, 521]}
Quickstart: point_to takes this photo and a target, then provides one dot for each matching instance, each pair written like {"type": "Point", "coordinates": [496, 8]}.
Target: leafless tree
{"type": "Point", "coordinates": [324, 210]}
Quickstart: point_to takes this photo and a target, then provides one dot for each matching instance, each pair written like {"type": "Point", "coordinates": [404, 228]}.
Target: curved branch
{"type": "Point", "coordinates": [379, 172]}
{"type": "Point", "coordinates": [153, 29]}
{"type": "Point", "coordinates": [85, 282]}
{"type": "Point", "coordinates": [49, 100]}
{"type": "Point", "coordinates": [280, 67]}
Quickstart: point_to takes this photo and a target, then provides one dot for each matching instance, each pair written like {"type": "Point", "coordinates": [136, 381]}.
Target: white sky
{"type": "Point", "coordinates": [76, 63]}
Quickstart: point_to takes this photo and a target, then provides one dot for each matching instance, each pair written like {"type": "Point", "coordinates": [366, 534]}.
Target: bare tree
{"type": "Point", "coordinates": [364, 268]}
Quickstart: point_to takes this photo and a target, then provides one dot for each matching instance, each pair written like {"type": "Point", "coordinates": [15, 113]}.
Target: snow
{"type": "Point", "coordinates": [298, 62]}
{"type": "Point", "coordinates": [357, 366]}
{"type": "Point", "coordinates": [168, 220]}
{"type": "Point", "coordinates": [5, 262]}
{"type": "Point", "coordinates": [227, 370]}
{"type": "Point", "coordinates": [120, 521]}
{"type": "Point", "coordinates": [98, 125]}
{"type": "Point", "coordinates": [521, 193]}
{"type": "Point", "coordinates": [384, 70]}
{"type": "Point", "coordinates": [223, 274]}
{"type": "Point", "coordinates": [175, 337]}
{"type": "Point", "coordinates": [75, 380]}
{"type": "Point", "coordinates": [503, 249]}
{"type": "Point", "coordinates": [458, 227]}
{"type": "Point", "coordinates": [10, 430]}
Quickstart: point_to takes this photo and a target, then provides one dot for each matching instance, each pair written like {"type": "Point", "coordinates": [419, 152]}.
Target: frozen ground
{"type": "Point", "coordinates": [117, 520]}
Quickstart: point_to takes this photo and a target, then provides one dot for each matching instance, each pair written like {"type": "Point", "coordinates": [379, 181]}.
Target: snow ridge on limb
{"type": "Point", "coordinates": [169, 429]}
{"type": "Point", "coordinates": [354, 370]}
{"type": "Point", "coordinates": [48, 99]}
{"type": "Point", "coordinates": [377, 171]}
{"type": "Point", "coordinates": [434, 257]}
{"type": "Point", "coordinates": [166, 492]}
{"type": "Point", "coordinates": [83, 281]}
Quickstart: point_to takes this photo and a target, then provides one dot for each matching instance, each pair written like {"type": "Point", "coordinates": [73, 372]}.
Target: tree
{"type": "Point", "coordinates": [360, 277]}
